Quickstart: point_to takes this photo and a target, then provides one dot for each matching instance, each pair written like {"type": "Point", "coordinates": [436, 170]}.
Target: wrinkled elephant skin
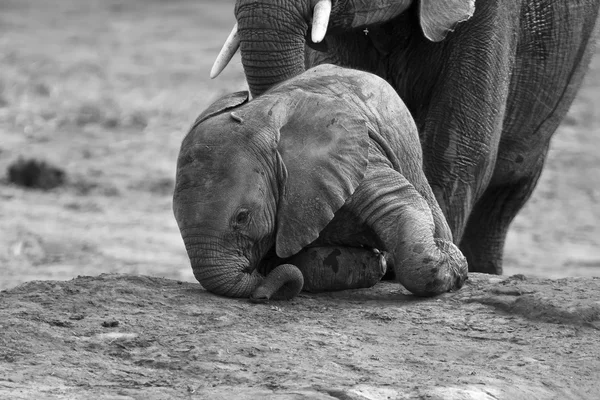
{"type": "Point", "coordinates": [487, 83]}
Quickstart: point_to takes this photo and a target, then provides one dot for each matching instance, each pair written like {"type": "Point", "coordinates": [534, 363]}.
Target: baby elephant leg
{"type": "Point", "coordinates": [330, 268]}
{"type": "Point", "coordinates": [403, 220]}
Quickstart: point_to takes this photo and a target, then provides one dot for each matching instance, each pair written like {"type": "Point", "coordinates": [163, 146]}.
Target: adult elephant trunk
{"type": "Point", "coordinates": [271, 41]}
{"type": "Point", "coordinates": [273, 33]}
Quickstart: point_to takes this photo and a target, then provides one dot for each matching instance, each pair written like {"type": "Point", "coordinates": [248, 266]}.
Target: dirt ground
{"type": "Point", "coordinates": [134, 337]}
{"type": "Point", "coordinates": [106, 89]}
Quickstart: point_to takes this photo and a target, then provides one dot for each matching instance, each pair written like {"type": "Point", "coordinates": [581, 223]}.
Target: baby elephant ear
{"type": "Point", "coordinates": [223, 104]}
{"type": "Point", "coordinates": [324, 148]}
{"type": "Point", "coordinates": [438, 17]}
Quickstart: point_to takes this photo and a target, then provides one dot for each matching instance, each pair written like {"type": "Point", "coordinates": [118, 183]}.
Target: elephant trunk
{"type": "Point", "coordinates": [226, 280]}
{"type": "Point", "coordinates": [282, 283]}
{"type": "Point", "coordinates": [273, 33]}
{"type": "Point", "coordinates": [218, 268]}
{"type": "Point", "coordinates": [234, 277]}
{"type": "Point", "coordinates": [271, 42]}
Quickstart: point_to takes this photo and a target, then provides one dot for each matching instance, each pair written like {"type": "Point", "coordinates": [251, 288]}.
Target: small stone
{"type": "Point", "coordinates": [35, 174]}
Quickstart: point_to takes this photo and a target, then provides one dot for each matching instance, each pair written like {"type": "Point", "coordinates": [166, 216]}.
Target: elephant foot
{"type": "Point", "coordinates": [444, 274]}
{"type": "Point", "coordinates": [331, 268]}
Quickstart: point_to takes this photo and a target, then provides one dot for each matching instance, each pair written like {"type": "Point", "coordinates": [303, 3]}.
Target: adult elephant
{"type": "Point", "coordinates": [486, 97]}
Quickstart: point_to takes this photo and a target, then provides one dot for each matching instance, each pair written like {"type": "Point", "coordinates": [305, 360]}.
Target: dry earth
{"type": "Point", "coordinates": [129, 337]}
{"type": "Point", "coordinates": [106, 89]}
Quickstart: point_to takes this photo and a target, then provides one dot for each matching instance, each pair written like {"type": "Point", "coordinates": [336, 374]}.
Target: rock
{"type": "Point", "coordinates": [35, 174]}
{"type": "Point", "coordinates": [497, 338]}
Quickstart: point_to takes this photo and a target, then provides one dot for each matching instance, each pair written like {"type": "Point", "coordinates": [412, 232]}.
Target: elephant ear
{"type": "Point", "coordinates": [323, 146]}
{"type": "Point", "coordinates": [223, 104]}
{"type": "Point", "coordinates": [438, 17]}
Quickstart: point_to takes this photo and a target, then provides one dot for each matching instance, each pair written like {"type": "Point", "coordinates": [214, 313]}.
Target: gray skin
{"type": "Point", "coordinates": [329, 160]}
{"type": "Point", "coordinates": [486, 99]}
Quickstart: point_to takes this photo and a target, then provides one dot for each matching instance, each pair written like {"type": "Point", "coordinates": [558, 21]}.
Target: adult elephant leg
{"type": "Point", "coordinates": [484, 237]}
{"type": "Point", "coordinates": [459, 106]}
{"type": "Point", "coordinates": [403, 222]}
{"type": "Point", "coordinates": [544, 83]}
{"type": "Point", "coordinates": [521, 157]}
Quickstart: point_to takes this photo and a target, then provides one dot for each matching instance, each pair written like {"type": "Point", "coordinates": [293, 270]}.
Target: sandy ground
{"type": "Point", "coordinates": [137, 337]}
{"type": "Point", "coordinates": [106, 90]}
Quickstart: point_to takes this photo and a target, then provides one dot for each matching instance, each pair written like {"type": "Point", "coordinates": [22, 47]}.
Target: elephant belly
{"type": "Point", "coordinates": [330, 267]}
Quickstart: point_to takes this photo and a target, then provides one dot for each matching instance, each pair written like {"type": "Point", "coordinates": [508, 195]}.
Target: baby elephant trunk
{"type": "Point", "coordinates": [226, 280]}
{"type": "Point", "coordinates": [223, 271]}
{"type": "Point", "coordinates": [282, 283]}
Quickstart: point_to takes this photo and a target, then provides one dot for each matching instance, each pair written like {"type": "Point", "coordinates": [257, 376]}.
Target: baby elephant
{"type": "Point", "coordinates": [315, 174]}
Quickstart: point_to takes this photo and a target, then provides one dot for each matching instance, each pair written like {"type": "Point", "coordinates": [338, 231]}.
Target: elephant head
{"type": "Point", "coordinates": [259, 181]}
{"type": "Point", "coordinates": [272, 33]}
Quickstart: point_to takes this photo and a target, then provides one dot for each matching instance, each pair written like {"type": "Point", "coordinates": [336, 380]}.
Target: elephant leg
{"type": "Point", "coordinates": [485, 233]}
{"type": "Point", "coordinates": [524, 144]}
{"type": "Point", "coordinates": [331, 268]}
{"type": "Point", "coordinates": [403, 222]}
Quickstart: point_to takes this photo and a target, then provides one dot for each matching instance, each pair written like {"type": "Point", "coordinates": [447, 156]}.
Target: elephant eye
{"type": "Point", "coordinates": [242, 217]}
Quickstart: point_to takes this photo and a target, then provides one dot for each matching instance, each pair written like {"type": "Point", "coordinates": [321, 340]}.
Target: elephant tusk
{"type": "Point", "coordinates": [231, 46]}
{"type": "Point", "coordinates": [321, 15]}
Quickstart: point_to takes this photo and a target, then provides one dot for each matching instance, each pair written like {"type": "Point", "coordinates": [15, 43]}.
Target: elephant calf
{"type": "Point", "coordinates": [314, 174]}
